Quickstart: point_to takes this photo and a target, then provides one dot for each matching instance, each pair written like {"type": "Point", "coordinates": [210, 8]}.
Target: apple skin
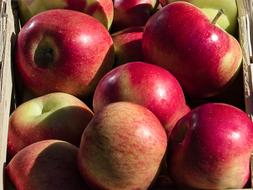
{"type": "Point", "coordinates": [227, 21]}
{"type": "Point", "coordinates": [63, 50]}
{"type": "Point", "coordinates": [52, 116]}
{"type": "Point", "coordinates": [46, 165]}
{"type": "Point", "coordinates": [122, 148]}
{"type": "Point", "coordinates": [203, 57]}
{"type": "Point", "coordinates": [99, 9]}
{"type": "Point", "coordinates": [145, 84]}
{"type": "Point", "coordinates": [128, 45]}
{"type": "Point", "coordinates": [132, 13]}
{"type": "Point", "coordinates": [210, 148]}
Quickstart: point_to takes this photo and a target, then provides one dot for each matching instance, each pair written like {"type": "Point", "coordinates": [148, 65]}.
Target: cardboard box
{"type": "Point", "coordinates": [5, 80]}
{"type": "Point", "coordinates": [9, 27]}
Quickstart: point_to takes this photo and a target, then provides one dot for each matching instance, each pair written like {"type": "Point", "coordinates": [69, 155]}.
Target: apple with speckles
{"type": "Point", "coordinates": [204, 58]}
{"type": "Point", "coordinates": [46, 165]}
{"type": "Point", "coordinates": [52, 116]}
{"type": "Point", "coordinates": [132, 13]}
{"type": "Point", "coordinates": [63, 50]}
{"type": "Point", "coordinates": [122, 148]}
{"type": "Point", "coordinates": [145, 84]}
{"type": "Point", "coordinates": [99, 9]}
{"type": "Point", "coordinates": [128, 45]}
{"type": "Point", "coordinates": [210, 148]}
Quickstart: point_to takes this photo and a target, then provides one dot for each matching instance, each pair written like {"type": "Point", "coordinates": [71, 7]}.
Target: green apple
{"type": "Point", "coordinates": [52, 116]}
{"type": "Point", "coordinates": [227, 21]}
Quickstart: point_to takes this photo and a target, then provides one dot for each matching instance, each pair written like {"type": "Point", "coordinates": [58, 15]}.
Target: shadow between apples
{"type": "Point", "coordinates": [232, 93]}
{"type": "Point", "coordinates": [134, 55]}
{"type": "Point", "coordinates": [140, 9]}
{"type": "Point", "coordinates": [45, 170]}
{"type": "Point", "coordinates": [54, 119]}
{"type": "Point", "coordinates": [103, 69]}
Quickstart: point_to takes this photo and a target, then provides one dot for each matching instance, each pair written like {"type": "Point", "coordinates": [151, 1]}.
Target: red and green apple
{"type": "Point", "coordinates": [203, 57]}
{"type": "Point", "coordinates": [46, 165]}
{"type": "Point", "coordinates": [63, 50]}
{"type": "Point", "coordinates": [52, 116]}
{"type": "Point", "coordinates": [122, 148]}
{"type": "Point", "coordinates": [145, 84]}
{"type": "Point", "coordinates": [210, 148]}
{"type": "Point", "coordinates": [99, 9]}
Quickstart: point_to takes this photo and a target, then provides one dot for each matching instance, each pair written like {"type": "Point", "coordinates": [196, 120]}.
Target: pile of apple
{"type": "Point", "coordinates": [113, 89]}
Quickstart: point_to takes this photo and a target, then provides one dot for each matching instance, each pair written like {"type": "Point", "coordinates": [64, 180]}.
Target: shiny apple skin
{"type": "Point", "coordinates": [132, 13]}
{"type": "Point", "coordinates": [145, 84]}
{"type": "Point", "coordinates": [199, 54]}
{"type": "Point", "coordinates": [227, 21]}
{"type": "Point", "coordinates": [99, 9]}
{"type": "Point", "coordinates": [46, 165]}
{"type": "Point", "coordinates": [128, 45]}
{"type": "Point", "coordinates": [122, 148]}
{"type": "Point", "coordinates": [82, 52]}
{"type": "Point", "coordinates": [210, 148]}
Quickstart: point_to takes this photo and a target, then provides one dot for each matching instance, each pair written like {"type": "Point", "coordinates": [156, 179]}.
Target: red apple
{"type": "Point", "coordinates": [128, 45]}
{"type": "Point", "coordinates": [63, 50]}
{"type": "Point", "coordinates": [46, 165]}
{"type": "Point", "coordinates": [100, 9]}
{"type": "Point", "coordinates": [53, 116]}
{"type": "Point", "coordinates": [227, 21]}
{"type": "Point", "coordinates": [145, 84]}
{"type": "Point", "coordinates": [202, 56]}
{"type": "Point", "coordinates": [210, 148]}
{"type": "Point", "coordinates": [122, 148]}
{"type": "Point", "coordinates": [132, 12]}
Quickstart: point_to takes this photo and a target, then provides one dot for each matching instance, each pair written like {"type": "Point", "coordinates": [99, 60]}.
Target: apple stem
{"type": "Point", "coordinates": [217, 16]}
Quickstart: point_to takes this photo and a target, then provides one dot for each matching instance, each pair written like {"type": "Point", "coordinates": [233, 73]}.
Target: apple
{"type": "Point", "coordinates": [63, 50]}
{"type": "Point", "coordinates": [52, 116]}
{"type": "Point", "coordinates": [145, 84]}
{"type": "Point", "coordinates": [132, 13]}
{"type": "Point", "coordinates": [203, 57]}
{"type": "Point", "coordinates": [227, 21]}
{"type": "Point", "coordinates": [122, 147]}
{"type": "Point", "coordinates": [128, 45]}
{"type": "Point", "coordinates": [210, 148]}
{"type": "Point", "coordinates": [46, 165]}
{"type": "Point", "coordinates": [99, 9]}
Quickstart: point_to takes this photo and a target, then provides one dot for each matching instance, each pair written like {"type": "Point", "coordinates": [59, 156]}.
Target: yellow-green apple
{"type": "Point", "coordinates": [63, 50]}
{"type": "Point", "coordinates": [203, 57]}
{"type": "Point", "coordinates": [100, 9]}
{"type": "Point", "coordinates": [132, 13]}
{"type": "Point", "coordinates": [145, 84]}
{"type": "Point", "coordinates": [128, 45]}
{"type": "Point", "coordinates": [228, 21]}
{"type": "Point", "coordinates": [46, 165]}
{"type": "Point", "coordinates": [122, 147]}
{"type": "Point", "coordinates": [52, 116]}
{"type": "Point", "coordinates": [210, 148]}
